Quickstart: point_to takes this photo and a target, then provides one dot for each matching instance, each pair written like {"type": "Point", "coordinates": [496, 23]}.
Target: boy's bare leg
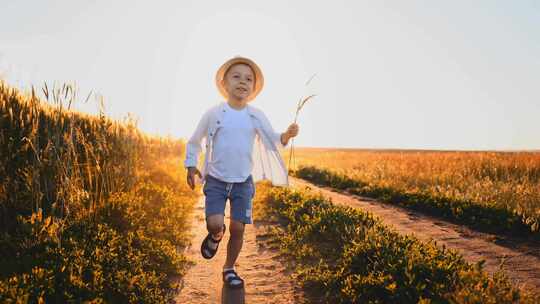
{"type": "Point", "coordinates": [214, 224]}
{"type": "Point", "coordinates": [236, 240]}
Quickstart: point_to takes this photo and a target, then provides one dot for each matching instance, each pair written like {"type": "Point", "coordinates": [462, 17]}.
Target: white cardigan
{"type": "Point", "coordinates": [267, 161]}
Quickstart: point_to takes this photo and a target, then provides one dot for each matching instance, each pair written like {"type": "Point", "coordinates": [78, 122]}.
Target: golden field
{"type": "Point", "coordinates": [507, 180]}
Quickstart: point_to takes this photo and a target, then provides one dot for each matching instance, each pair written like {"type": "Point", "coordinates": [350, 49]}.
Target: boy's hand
{"type": "Point", "coordinates": [192, 171]}
{"type": "Point", "coordinates": [292, 130]}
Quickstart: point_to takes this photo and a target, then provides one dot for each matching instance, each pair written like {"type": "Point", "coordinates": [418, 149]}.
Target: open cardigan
{"type": "Point", "coordinates": [267, 161]}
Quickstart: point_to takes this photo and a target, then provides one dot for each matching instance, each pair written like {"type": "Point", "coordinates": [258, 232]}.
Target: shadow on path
{"type": "Point", "coordinates": [233, 296]}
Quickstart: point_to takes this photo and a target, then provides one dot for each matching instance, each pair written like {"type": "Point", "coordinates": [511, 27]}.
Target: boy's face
{"type": "Point", "coordinates": [239, 81]}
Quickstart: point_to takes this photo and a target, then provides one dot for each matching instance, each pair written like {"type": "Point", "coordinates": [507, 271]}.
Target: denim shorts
{"type": "Point", "coordinates": [240, 197]}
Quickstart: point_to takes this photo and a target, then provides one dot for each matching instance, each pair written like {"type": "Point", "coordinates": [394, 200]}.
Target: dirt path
{"type": "Point", "coordinates": [522, 267]}
{"type": "Point", "coordinates": [265, 278]}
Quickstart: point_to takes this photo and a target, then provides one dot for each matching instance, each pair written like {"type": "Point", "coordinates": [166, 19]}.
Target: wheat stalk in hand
{"type": "Point", "coordinates": [299, 107]}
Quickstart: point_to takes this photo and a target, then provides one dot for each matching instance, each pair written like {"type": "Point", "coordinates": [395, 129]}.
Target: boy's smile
{"type": "Point", "coordinates": [239, 82]}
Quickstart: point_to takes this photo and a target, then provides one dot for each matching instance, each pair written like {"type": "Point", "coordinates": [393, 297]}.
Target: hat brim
{"type": "Point", "coordinates": [259, 79]}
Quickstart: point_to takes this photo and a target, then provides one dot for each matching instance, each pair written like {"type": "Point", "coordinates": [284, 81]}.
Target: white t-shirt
{"type": "Point", "coordinates": [232, 160]}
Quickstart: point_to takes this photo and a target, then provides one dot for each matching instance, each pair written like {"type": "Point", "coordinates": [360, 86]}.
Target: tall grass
{"type": "Point", "coordinates": [501, 180]}
{"type": "Point", "coordinates": [59, 160]}
{"type": "Point", "coordinates": [90, 208]}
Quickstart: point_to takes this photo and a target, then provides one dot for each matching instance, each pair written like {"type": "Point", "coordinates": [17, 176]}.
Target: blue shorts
{"type": "Point", "coordinates": [240, 197]}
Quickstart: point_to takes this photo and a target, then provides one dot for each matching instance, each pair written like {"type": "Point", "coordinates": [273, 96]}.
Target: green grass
{"type": "Point", "coordinates": [344, 255]}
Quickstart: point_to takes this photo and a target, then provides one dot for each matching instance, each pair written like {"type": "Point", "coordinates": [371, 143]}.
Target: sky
{"type": "Point", "coordinates": [451, 75]}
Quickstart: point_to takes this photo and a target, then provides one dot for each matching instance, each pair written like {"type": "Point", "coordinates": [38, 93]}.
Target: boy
{"type": "Point", "coordinates": [241, 148]}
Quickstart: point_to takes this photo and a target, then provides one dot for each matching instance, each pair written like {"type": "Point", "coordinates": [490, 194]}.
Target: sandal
{"type": "Point", "coordinates": [229, 276]}
{"type": "Point", "coordinates": [206, 251]}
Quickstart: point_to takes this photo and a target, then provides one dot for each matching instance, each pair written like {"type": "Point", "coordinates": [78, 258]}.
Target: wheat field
{"type": "Point", "coordinates": [508, 180]}
{"type": "Point", "coordinates": [91, 209]}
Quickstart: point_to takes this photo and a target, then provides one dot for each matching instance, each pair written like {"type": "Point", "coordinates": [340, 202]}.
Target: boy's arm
{"type": "Point", "coordinates": [280, 139]}
{"type": "Point", "coordinates": [193, 146]}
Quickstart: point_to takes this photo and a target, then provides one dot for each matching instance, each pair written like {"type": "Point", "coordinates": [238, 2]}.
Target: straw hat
{"type": "Point", "coordinates": [259, 79]}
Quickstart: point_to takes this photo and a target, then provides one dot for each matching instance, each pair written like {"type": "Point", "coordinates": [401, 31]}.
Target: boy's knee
{"type": "Point", "coordinates": [214, 229]}
{"type": "Point", "coordinates": [237, 229]}
{"type": "Point", "coordinates": [214, 225]}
